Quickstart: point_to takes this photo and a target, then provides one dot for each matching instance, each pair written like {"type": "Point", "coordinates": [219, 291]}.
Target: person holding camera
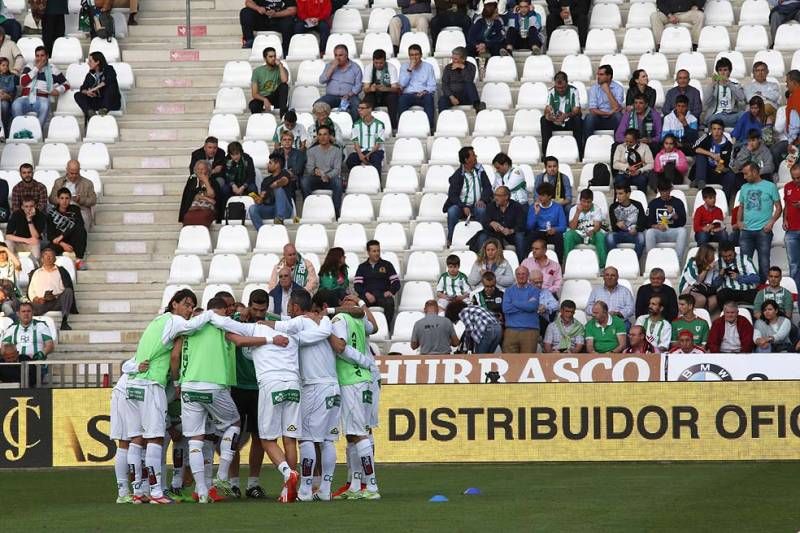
{"type": "Point", "coordinates": [51, 289]}
{"type": "Point", "coordinates": [738, 278]}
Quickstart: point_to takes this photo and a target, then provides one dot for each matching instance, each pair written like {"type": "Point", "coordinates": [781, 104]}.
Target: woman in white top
{"type": "Point", "coordinates": [771, 331]}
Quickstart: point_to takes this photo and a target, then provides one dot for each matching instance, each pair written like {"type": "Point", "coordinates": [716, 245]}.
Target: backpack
{"type": "Point", "coordinates": [235, 211]}
{"type": "Point", "coordinates": [601, 176]}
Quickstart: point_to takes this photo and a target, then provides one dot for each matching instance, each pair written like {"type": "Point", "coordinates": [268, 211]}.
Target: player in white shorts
{"type": "Point", "coordinates": [278, 373]}
{"type": "Point", "coordinates": [123, 415]}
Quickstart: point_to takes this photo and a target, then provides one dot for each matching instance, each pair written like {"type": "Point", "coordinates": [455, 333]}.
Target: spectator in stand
{"type": "Point", "coordinates": [709, 220]}
{"type": "Point", "coordinates": [656, 327]}
{"type": "Point", "coordinates": [299, 133]}
{"type": "Point", "coordinates": [771, 330]}
{"type": "Point", "coordinates": [754, 151]}
{"type": "Point", "coordinates": [685, 343]}
{"type": "Point", "coordinates": [367, 136]}
{"type": "Point", "coordinates": [713, 154]}
{"type": "Point", "coordinates": [730, 333]}
{"type": "Point", "coordinates": [489, 296]}
{"type": "Point", "coordinates": [657, 287]}
{"type": "Point", "coordinates": [279, 296]}
{"type": "Point", "coordinates": [39, 82]}
{"type": "Point", "coordinates": [324, 169]}
{"type": "Point", "coordinates": [791, 222]}
{"type": "Point", "coordinates": [486, 36]}
{"type": "Point", "coordinates": [508, 175]}
{"type": "Point", "coordinates": [302, 270]}
{"type": "Point", "coordinates": [418, 84]}
{"type": "Point", "coordinates": [754, 120]}
{"type": "Point", "coordinates": [782, 11]}
{"type": "Point", "coordinates": [681, 124]}
{"type": "Point", "coordinates": [10, 267]}
{"type": "Point", "coordinates": [322, 117]}
{"type": "Point", "coordinates": [585, 222]}
{"type": "Point", "coordinates": [549, 269]}
{"type": "Point", "coordinates": [564, 334]}
{"type": "Point", "coordinates": [605, 103]}
{"type": "Point", "coordinates": [699, 277]}
{"type": "Point", "coordinates": [605, 332]}
{"type": "Point", "coordinates": [490, 259]}
{"type": "Point", "coordinates": [82, 190]}
{"type": "Point", "coordinates": [678, 12]}
{"type": "Point", "coordinates": [199, 200]}
{"type": "Point", "coordinates": [562, 186]}
{"type": "Point", "coordinates": [775, 293]}
{"type": "Point", "coordinates": [638, 86]}
{"type": "Point", "coordinates": [26, 340]}
{"type": "Point", "coordinates": [212, 154]}
{"type": "Point", "coordinates": [65, 229]}
{"type": "Point", "coordinates": [295, 162]}
{"type": "Point", "coordinates": [342, 80]}
{"type": "Point", "coordinates": [724, 98]}
{"type": "Point", "coordinates": [569, 13]}
{"type": "Point", "coordinates": [521, 311]}
{"type": "Point", "coordinates": [645, 119]}
{"type": "Point", "coordinates": [26, 229]}
{"type": "Point", "coordinates": [617, 299]}
{"type": "Point", "coordinates": [638, 343]}
{"type": "Point", "coordinates": [548, 305]}
{"type": "Point", "coordinates": [792, 132]}
{"type": "Point", "coordinates": [628, 221]}
{"type": "Point", "coordinates": [433, 334]}
{"type": "Point", "coordinates": [761, 209]}
{"type": "Point", "coordinates": [688, 321]}
{"type": "Point", "coordinates": [268, 15]}
{"type": "Point", "coordinates": [562, 112]}
{"type": "Point", "coordinates": [52, 22]}
{"type": "Point", "coordinates": [504, 220]}
{"type": "Point", "coordinates": [275, 196]}
{"type": "Point", "coordinates": [269, 85]}
{"type": "Point", "coordinates": [99, 92]}
{"type": "Point", "coordinates": [8, 90]}
{"type": "Point", "coordinates": [376, 281]}
{"type": "Point", "coordinates": [546, 220]}
{"type": "Point", "coordinates": [633, 162]}
{"type": "Point", "coordinates": [28, 187]}
{"type": "Point", "coordinates": [768, 91]}
{"type": "Point", "coordinates": [453, 285]}
{"type": "Point", "coordinates": [381, 82]}
{"type": "Point", "coordinates": [524, 29]}
{"type": "Point", "coordinates": [5, 209]}
{"type": "Point", "coordinates": [449, 13]}
{"type": "Point", "coordinates": [682, 88]}
{"type": "Point", "coordinates": [333, 276]}
{"type": "Point", "coordinates": [667, 220]}
{"type": "Point", "coordinates": [51, 289]}
{"type": "Point", "coordinates": [481, 327]}
{"type": "Point", "coordinates": [670, 163]}
{"type": "Point", "coordinates": [418, 15]}
{"type": "Point", "coordinates": [737, 279]}
{"type": "Point", "coordinates": [240, 173]}
{"type": "Point", "coordinates": [469, 192]}
{"type": "Point", "coordinates": [11, 52]}
{"type": "Point", "coordinates": [313, 16]}
{"type": "Point", "coordinates": [458, 83]}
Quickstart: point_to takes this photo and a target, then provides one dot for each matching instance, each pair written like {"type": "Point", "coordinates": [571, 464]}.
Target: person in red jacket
{"type": "Point", "coordinates": [314, 16]}
{"type": "Point", "coordinates": [709, 221]}
{"type": "Point", "coordinates": [730, 333]}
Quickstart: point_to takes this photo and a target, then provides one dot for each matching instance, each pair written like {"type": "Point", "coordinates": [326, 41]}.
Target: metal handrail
{"type": "Point", "coordinates": [68, 373]}
{"type": "Point", "coordinates": [188, 25]}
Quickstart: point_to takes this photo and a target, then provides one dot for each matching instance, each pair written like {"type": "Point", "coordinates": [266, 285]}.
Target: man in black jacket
{"type": "Point", "coordinates": [657, 287]}
{"type": "Point", "coordinates": [458, 83]}
{"type": "Point", "coordinates": [504, 220]}
{"type": "Point", "coordinates": [469, 192]}
{"type": "Point", "coordinates": [214, 155]}
{"type": "Point", "coordinates": [677, 12]}
{"type": "Point", "coordinates": [628, 221]}
{"type": "Point", "coordinates": [568, 13]}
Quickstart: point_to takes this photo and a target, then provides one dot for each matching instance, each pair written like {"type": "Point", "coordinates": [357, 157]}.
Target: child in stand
{"type": "Point", "coordinates": [452, 285]}
{"type": "Point", "coordinates": [709, 221]}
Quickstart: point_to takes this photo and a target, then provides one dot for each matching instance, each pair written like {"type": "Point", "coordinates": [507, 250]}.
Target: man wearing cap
{"type": "Point", "coordinates": [686, 343]}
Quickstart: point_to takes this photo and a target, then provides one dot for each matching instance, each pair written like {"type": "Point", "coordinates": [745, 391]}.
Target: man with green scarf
{"type": "Point", "coordinates": [562, 112]}
{"type": "Point", "coordinates": [565, 334]}
{"type": "Point", "coordinates": [303, 271]}
{"type": "Point", "coordinates": [643, 118]}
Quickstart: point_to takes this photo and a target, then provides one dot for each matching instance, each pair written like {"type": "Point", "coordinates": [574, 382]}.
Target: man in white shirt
{"type": "Point", "coordinates": [657, 329]}
{"type": "Point", "coordinates": [50, 289]}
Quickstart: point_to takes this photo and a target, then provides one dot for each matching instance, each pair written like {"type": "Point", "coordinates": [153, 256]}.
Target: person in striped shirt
{"type": "Point", "coordinates": [367, 139]}
{"type": "Point", "coordinates": [28, 339]}
{"type": "Point", "coordinates": [453, 285]}
{"type": "Point", "coordinates": [738, 277]}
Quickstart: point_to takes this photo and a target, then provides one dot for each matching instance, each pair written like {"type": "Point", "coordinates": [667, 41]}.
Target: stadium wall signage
{"type": "Point", "coordinates": [733, 367]}
{"type": "Point", "coordinates": [26, 438]}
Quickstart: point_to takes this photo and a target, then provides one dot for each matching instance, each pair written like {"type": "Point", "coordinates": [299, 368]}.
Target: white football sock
{"type": "Point", "coordinates": [367, 464]}
{"type": "Point", "coordinates": [372, 442]}
{"type": "Point", "coordinates": [135, 467]}
{"type": "Point", "coordinates": [234, 482]}
{"type": "Point", "coordinates": [308, 455]}
{"type": "Point", "coordinates": [198, 465]}
{"type": "Point", "coordinates": [208, 457]}
{"type": "Point", "coordinates": [121, 471]}
{"type": "Point", "coordinates": [226, 451]}
{"type": "Point", "coordinates": [252, 482]}
{"type": "Point", "coordinates": [328, 459]}
{"type": "Point", "coordinates": [285, 471]}
{"type": "Point", "coordinates": [355, 473]}
{"type": "Point", "coordinates": [152, 459]}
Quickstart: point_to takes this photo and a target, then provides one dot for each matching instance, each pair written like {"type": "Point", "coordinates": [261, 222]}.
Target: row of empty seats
{"type": "Point", "coordinates": [68, 50]}
{"type": "Point", "coordinates": [65, 129]}
{"type": "Point", "coordinates": [54, 156]}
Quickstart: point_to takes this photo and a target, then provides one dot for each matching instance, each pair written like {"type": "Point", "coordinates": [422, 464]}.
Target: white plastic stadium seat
{"type": "Point", "coordinates": [605, 16]}
{"type": "Point", "coordinates": [408, 152]}
{"type": "Point", "coordinates": [414, 37]}
{"type": "Point", "coordinates": [581, 264]}
{"type": "Point", "coordinates": [63, 129]}
{"type": "Point", "coordinates": [490, 122]}
{"type": "Point", "coordinates": [601, 41]}
{"type": "Point", "coordinates": [269, 40]}
{"type": "Point", "coordinates": [428, 236]}
{"type": "Point", "coordinates": [76, 73]}
{"type": "Point", "coordinates": [665, 258]}
{"type": "Point", "coordinates": [347, 20]}
{"type": "Point", "coordinates": [66, 50]}
{"type": "Point", "coordinates": [392, 236]}
{"type": "Point", "coordinates": [404, 324]}
{"type": "Point", "coordinates": [14, 154]}
{"type": "Point", "coordinates": [211, 290]}
{"type": "Point", "coordinates": [345, 39]}
{"type": "Point", "coordinates": [271, 238]}
{"type": "Point", "coordinates": [620, 64]}
{"type": "Point", "coordinates": [500, 68]}
{"type": "Point", "coordinates": [110, 49]}
{"type": "Point", "coordinates": [102, 129]}
{"type": "Point", "coordinates": [395, 208]}
{"type": "Point", "coordinates": [578, 67]}
{"type": "Point", "coordinates": [675, 39]}
{"type": "Point", "coordinates": [564, 41]}
{"type": "Point", "coordinates": [230, 100]}
{"type": "Point", "coordinates": [527, 122]}
{"type": "Point", "coordinates": [625, 261]}
{"type": "Point", "coordinates": [413, 123]}
{"type": "Point", "coordinates": [24, 122]}
{"type": "Point", "coordinates": [193, 240]}
{"type": "Point", "coordinates": [754, 12]}
{"type": "Point", "coordinates": [350, 237]}
{"type": "Point", "coordinates": [485, 149]}
{"type": "Point", "coordinates": [463, 232]}
{"type": "Point", "coordinates": [261, 266]}
{"type": "Point", "coordinates": [318, 208]}
{"type": "Point", "coordinates": [422, 266]}
{"type": "Point", "coordinates": [311, 238]}
{"type": "Point", "coordinates": [694, 62]}
{"type": "Point", "coordinates": [639, 14]}
{"type": "Point", "coordinates": [598, 149]}
{"type": "Point", "coordinates": [717, 13]}
{"type": "Point", "coordinates": [259, 151]}
{"type": "Point", "coordinates": [524, 149]}
{"type": "Point", "coordinates": [496, 95]}
{"type": "Point", "coordinates": [52, 156]}
{"type": "Point", "coordinates": [363, 179]}
{"type": "Point", "coordinates": [125, 77]}
{"type": "Point", "coordinates": [430, 207]}
{"type": "Point", "coordinates": [224, 127]}
{"type": "Point", "coordinates": [232, 240]}
{"type": "Point", "coordinates": [46, 178]}
{"type": "Point", "coordinates": [452, 123]}
{"type": "Point", "coordinates": [444, 151]}
{"type": "Point", "coordinates": [564, 148]}
{"type": "Point", "coordinates": [376, 41]}
{"type": "Point", "coordinates": [714, 38]}
{"type": "Point", "coordinates": [357, 208]}
{"type": "Point", "coordinates": [656, 65]}
{"type": "Point", "coordinates": [532, 95]}
{"type": "Point", "coordinates": [787, 38]}
{"type": "Point", "coordinates": [302, 46]}
{"type": "Point", "coordinates": [237, 74]}
{"type": "Point", "coordinates": [536, 68]}
{"type": "Point", "coordinates": [303, 97]}
{"type": "Point", "coordinates": [94, 156]}
{"type": "Point", "coordinates": [577, 290]}
{"type": "Point", "coordinates": [414, 295]}
{"type": "Point", "coordinates": [28, 45]}
{"type": "Point", "coordinates": [67, 106]}
{"type": "Point", "coordinates": [752, 38]}
{"type": "Point", "coordinates": [638, 41]}
{"type": "Point", "coordinates": [308, 71]}
{"type": "Point", "coordinates": [186, 269]}
{"type": "Point", "coordinates": [400, 178]}
{"type": "Point", "coordinates": [447, 40]}
{"type": "Point", "coordinates": [379, 19]}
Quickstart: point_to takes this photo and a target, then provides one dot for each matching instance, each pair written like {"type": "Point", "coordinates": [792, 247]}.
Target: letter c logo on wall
{"type": "Point", "coordinates": [25, 423]}
{"type": "Point", "coordinates": [705, 372]}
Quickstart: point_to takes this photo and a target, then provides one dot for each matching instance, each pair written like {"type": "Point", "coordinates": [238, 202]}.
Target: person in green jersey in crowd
{"type": "Point", "coordinates": [147, 388]}
{"type": "Point", "coordinates": [687, 320]}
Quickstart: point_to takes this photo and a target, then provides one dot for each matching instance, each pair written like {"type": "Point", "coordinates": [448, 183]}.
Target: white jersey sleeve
{"type": "Point", "coordinates": [177, 325]}
{"type": "Point", "coordinates": [313, 333]}
{"type": "Point", "coordinates": [339, 329]}
{"type": "Point", "coordinates": [352, 355]}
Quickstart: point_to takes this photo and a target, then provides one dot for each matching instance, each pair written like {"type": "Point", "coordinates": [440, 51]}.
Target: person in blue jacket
{"type": "Point", "coordinates": [546, 220]}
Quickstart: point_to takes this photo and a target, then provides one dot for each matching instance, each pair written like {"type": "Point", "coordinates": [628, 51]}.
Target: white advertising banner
{"type": "Point", "coordinates": [733, 367]}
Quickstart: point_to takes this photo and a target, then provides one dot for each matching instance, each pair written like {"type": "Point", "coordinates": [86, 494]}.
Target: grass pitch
{"type": "Point", "coordinates": [515, 497]}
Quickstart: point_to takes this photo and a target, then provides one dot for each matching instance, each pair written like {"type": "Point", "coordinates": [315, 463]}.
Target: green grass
{"type": "Point", "coordinates": [516, 497]}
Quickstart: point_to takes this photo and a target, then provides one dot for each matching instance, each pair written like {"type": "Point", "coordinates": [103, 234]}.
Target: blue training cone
{"type": "Point", "coordinates": [438, 498]}
{"type": "Point", "coordinates": [472, 491]}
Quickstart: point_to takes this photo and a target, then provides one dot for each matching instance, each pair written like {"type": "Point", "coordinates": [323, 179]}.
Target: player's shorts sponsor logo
{"type": "Point", "coordinates": [288, 395]}
{"type": "Point", "coordinates": [366, 397]}
{"type": "Point", "coordinates": [705, 372]}
{"type": "Point", "coordinates": [197, 397]}
{"type": "Point", "coordinates": [25, 428]}
{"type": "Point", "coordinates": [136, 393]}
{"type": "Point", "coordinates": [333, 401]}
{"type": "Point", "coordinates": [291, 428]}
{"type": "Point", "coordinates": [334, 431]}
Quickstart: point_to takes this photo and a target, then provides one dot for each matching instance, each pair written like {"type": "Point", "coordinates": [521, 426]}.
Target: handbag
{"type": "Point", "coordinates": [235, 211]}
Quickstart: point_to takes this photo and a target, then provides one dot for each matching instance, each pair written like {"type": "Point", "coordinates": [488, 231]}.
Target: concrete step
{"type": "Point", "coordinates": [113, 307]}
{"type": "Point", "coordinates": [120, 277]}
{"type": "Point", "coordinates": [175, 54]}
{"type": "Point", "coordinates": [172, 186]}
{"type": "Point", "coordinates": [107, 337]}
